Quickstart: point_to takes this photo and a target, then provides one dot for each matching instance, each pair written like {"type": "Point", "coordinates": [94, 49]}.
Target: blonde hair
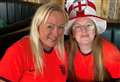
{"type": "Point", "coordinates": [100, 73]}
{"type": "Point", "coordinates": [41, 16]}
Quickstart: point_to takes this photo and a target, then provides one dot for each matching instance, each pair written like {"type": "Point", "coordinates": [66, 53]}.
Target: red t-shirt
{"type": "Point", "coordinates": [84, 64]}
{"type": "Point", "coordinates": [17, 65]}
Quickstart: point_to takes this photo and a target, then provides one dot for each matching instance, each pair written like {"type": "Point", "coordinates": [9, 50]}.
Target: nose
{"type": "Point", "coordinates": [83, 29]}
{"type": "Point", "coordinates": [55, 32]}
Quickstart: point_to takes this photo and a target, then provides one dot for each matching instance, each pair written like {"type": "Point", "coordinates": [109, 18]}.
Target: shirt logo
{"type": "Point", "coordinates": [31, 70]}
{"type": "Point", "coordinates": [62, 68]}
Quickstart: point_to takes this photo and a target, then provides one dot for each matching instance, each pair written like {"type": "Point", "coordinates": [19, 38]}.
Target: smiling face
{"type": "Point", "coordinates": [52, 29]}
{"type": "Point", "coordinates": [84, 31]}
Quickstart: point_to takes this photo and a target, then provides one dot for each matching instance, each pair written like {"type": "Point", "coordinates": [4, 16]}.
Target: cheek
{"type": "Point", "coordinates": [76, 36]}
{"type": "Point", "coordinates": [42, 34]}
{"type": "Point", "coordinates": [61, 32]}
{"type": "Point", "coordinates": [92, 35]}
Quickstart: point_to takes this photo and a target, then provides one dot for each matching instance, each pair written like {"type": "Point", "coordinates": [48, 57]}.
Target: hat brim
{"type": "Point", "coordinates": [101, 24]}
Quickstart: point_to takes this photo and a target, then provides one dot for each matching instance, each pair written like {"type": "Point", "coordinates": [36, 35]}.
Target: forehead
{"type": "Point", "coordinates": [83, 20]}
{"type": "Point", "coordinates": [56, 16]}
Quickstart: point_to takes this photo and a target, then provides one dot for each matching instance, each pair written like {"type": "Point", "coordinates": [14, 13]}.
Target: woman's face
{"type": "Point", "coordinates": [52, 29]}
{"type": "Point", "coordinates": [84, 31]}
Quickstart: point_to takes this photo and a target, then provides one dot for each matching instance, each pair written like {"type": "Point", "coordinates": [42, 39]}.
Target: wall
{"type": "Point", "coordinates": [109, 9]}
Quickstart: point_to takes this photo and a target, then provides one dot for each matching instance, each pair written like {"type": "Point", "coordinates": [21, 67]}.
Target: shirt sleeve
{"type": "Point", "coordinates": [112, 59]}
{"type": "Point", "coordinates": [11, 65]}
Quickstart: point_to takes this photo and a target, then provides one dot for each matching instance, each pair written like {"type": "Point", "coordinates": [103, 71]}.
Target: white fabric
{"type": "Point", "coordinates": [100, 24]}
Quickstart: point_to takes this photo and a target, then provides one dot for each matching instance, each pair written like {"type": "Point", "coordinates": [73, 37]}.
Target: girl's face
{"type": "Point", "coordinates": [84, 31]}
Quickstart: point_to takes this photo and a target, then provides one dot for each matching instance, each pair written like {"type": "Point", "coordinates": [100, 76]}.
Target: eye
{"type": "Point", "coordinates": [76, 27]}
{"type": "Point", "coordinates": [50, 26]}
{"type": "Point", "coordinates": [61, 26]}
{"type": "Point", "coordinates": [89, 25]}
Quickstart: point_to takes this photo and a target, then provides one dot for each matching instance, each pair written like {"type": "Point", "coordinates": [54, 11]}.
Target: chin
{"type": "Point", "coordinates": [52, 45]}
{"type": "Point", "coordinates": [85, 42]}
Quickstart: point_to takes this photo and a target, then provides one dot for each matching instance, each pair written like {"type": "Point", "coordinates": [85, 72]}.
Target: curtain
{"type": "Point", "coordinates": [109, 9]}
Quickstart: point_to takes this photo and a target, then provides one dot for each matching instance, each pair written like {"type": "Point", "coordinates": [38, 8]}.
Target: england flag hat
{"type": "Point", "coordinates": [83, 8]}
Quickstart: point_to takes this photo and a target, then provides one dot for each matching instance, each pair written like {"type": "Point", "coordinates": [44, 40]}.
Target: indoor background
{"type": "Point", "coordinates": [109, 9]}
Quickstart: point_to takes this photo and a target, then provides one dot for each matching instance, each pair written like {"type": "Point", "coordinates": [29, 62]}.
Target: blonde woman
{"type": "Point", "coordinates": [39, 57]}
{"type": "Point", "coordinates": [91, 58]}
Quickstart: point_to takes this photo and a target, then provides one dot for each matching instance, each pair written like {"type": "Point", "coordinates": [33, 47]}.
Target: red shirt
{"type": "Point", "coordinates": [17, 65]}
{"type": "Point", "coordinates": [84, 64]}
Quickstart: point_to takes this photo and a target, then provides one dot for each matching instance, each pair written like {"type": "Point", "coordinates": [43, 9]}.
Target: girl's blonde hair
{"type": "Point", "coordinates": [100, 73]}
{"type": "Point", "coordinates": [41, 16]}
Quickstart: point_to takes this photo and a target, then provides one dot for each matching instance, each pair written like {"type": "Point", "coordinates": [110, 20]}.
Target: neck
{"type": "Point", "coordinates": [85, 48]}
{"type": "Point", "coordinates": [48, 50]}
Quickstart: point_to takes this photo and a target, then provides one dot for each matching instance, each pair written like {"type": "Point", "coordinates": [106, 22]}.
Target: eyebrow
{"type": "Point", "coordinates": [57, 25]}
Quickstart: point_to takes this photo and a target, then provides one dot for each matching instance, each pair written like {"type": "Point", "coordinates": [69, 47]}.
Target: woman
{"type": "Point", "coordinates": [39, 57]}
{"type": "Point", "coordinates": [91, 58]}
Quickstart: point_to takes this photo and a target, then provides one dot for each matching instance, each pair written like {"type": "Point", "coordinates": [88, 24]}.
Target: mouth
{"type": "Point", "coordinates": [84, 36]}
{"type": "Point", "coordinates": [53, 40]}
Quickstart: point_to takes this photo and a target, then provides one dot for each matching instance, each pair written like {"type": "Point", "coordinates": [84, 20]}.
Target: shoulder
{"type": "Point", "coordinates": [111, 56]}
{"type": "Point", "coordinates": [22, 43]}
{"type": "Point", "coordinates": [110, 51]}
{"type": "Point", "coordinates": [109, 45]}
{"type": "Point", "coordinates": [22, 46]}
{"type": "Point", "coordinates": [19, 51]}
